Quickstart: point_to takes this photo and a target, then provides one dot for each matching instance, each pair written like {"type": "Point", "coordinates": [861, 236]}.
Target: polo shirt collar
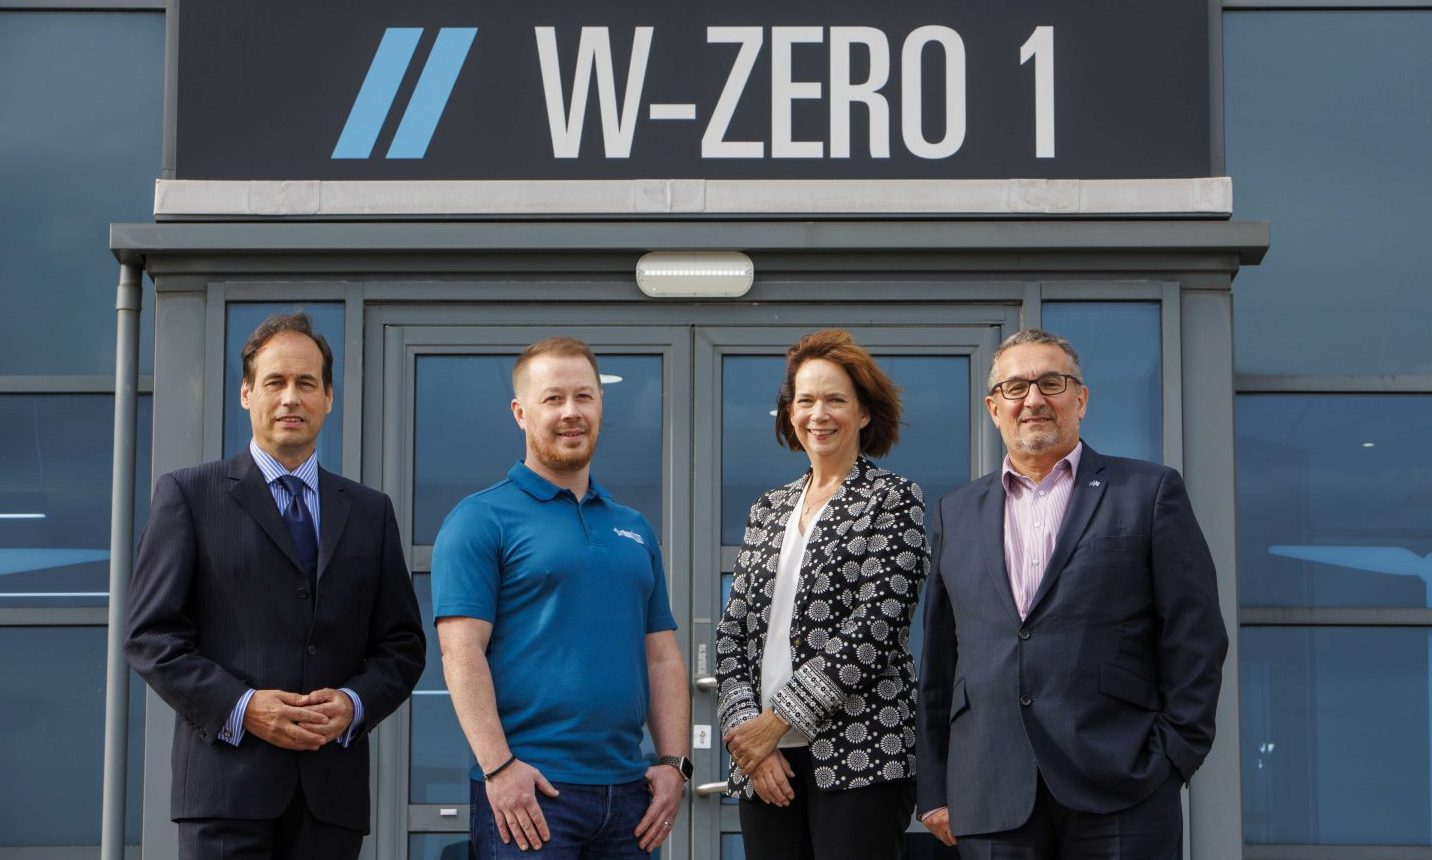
{"type": "Point", "coordinates": [544, 490]}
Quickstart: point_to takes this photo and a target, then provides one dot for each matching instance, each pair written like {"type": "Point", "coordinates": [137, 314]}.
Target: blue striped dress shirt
{"type": "Point", "coordinates": [233, 731]}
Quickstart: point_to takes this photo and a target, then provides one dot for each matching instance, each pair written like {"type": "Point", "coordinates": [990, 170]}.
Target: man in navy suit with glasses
{"type": "Point", "coordinates": [1073, 641]}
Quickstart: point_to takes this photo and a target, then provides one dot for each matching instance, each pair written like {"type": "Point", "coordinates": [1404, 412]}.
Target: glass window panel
{"type": "Point", "coordinates": [83, 95]}
{"type": "Point", "coordinates": [1334, 500]}
{"type": "Point", "coordinates": [1118, 346]}
{"type": "Point", "coordinates": [55, 476]}
{"type": "Point", "coordinates": [242, 319]}
{"type": "Point", "coordinates": [1335, 735]}
{"type": "Point", "coordinates": [934, 448]}
{"type": "Point", "coordinates": [731, 847]}
{"type": "Point", "coordinates": [440, 757]}
{"type": "Point", "coordinates": [466, 439]}
{"type": "Point", "coordinates": [1327, 138]}
{"type": "Point", "coordinates": [439, 846]}
{"type": "Point", "coordinates": [752, 461]}
{"type": "Point", "coordinates": [52, 737]}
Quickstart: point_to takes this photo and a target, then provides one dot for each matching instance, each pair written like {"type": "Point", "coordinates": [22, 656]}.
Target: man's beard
{"type": "Point", "coordinates": [1028, 441]}
{"type": "Point", "coordinates": [558, 458]}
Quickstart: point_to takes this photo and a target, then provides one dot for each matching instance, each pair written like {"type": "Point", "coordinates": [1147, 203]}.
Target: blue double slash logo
{"type": "Point", "coordinates": [380, 88]}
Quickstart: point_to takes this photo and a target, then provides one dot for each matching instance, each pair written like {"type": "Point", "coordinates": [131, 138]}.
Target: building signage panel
{"type": "Point", "coordinates": [835, 89]}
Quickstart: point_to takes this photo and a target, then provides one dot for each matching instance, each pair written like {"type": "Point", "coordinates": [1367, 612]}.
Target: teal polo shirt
{"type": "Point", "coordinates": [572, 588]}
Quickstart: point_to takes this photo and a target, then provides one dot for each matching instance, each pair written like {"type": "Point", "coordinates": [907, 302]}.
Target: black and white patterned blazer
{"type": "Point", "coordinates": [853, 691]}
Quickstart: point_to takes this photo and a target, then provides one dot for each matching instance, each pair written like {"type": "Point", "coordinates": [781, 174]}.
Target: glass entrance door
{"type": "Point", "coordinates": [688, 439]}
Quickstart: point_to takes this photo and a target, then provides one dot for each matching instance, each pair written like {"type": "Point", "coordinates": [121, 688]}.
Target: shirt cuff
{"type": "Point", "coordinates": [355, 728]}
{"type": "Point", "coordinates": [233, 731]}
{"type": "Point", "coordinates": [932, 812]}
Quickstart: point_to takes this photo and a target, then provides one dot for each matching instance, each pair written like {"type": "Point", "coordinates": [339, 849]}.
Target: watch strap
{"type": "Point", "coordinates": [682, 764]}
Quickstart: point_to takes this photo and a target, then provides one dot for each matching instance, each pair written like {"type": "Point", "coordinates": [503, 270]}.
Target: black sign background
{"type": "Point", "coordinates": [265, 87]}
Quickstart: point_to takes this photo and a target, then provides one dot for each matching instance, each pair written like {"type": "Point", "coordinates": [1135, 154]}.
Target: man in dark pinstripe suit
{"type": "Point", "coordinates": [272, 609]}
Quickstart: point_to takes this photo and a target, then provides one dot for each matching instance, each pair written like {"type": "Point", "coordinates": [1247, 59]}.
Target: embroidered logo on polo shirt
{"type": "Point", "coordinates": [630, 535]}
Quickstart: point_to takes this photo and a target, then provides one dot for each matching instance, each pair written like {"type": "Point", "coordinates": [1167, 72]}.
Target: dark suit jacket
{"type": "Point", "coordinates": [1107, 688]}
{"type": "Point", "coordinates": [219, 604]}
{"type": "Point", "coordinates": [853, 690]}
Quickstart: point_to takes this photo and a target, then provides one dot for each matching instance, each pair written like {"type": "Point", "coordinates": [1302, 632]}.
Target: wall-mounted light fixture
{"type": "Point", "coordinates": [695, 274]}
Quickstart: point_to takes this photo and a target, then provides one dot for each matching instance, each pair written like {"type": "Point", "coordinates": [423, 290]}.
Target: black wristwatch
{"type": "Point", "coordinates": [681, 763]}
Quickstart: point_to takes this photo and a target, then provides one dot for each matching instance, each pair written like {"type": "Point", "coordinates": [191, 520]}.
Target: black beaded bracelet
{"type": "Point", "coordinates": [500, 768]}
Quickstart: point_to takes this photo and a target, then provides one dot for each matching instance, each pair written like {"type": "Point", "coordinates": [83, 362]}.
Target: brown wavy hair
{"type": "Point", "coordinates": [873, 389]}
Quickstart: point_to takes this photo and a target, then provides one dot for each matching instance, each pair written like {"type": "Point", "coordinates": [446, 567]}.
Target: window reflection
{"type": "Point", "coordinates": [83, 99]}
{"type": "Point", "coordinates": [1334, 500]}
{"type": "Point", "coordinates": [52, 737]}
{"type": "Point", "coordinates": [55, 476]}
{"type": "Point", "coordinates": [1118, 346]}
{"type": "Point", "coordinates": [1327, 138]}
{"type": "Point", "coordinates": [1335, 735]}
{"type": "Point", "coordinates": [466, 439]}
{"type": "Point", "coordinates": [439, 846]}
{"type": "Point", "coordinates": [440, 756]}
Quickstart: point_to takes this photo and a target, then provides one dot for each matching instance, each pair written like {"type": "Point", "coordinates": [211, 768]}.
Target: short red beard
{"type": "Point", "coordinates": [554, 456]}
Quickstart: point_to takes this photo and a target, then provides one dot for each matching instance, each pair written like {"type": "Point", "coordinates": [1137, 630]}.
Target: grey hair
{"type": "Point", "coordinates": [1034, 336]}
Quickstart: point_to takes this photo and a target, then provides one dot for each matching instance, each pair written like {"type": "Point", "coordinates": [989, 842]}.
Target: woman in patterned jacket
{"type": "Point", "coordinates": [816, 679]}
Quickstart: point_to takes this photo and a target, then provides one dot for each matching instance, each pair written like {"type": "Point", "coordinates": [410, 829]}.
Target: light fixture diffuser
{"type": "Point", "coordinates": [695, 274]}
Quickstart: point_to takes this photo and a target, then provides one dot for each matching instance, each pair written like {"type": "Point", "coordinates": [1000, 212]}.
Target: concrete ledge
{"type": "Point", "coordinates": [177, 198]}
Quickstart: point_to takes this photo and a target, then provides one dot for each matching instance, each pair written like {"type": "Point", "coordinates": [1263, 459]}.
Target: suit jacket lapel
{"type": "Point", "coordinates": [1083, 501]}
{"type": "Point", "coordinates": [991, 525]}
{"type": "Point", "coordinates": [247, 486]}
{"type": "Point", "coordinates": [333, 508]}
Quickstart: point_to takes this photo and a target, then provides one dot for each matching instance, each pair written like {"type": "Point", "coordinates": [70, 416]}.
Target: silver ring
{"type": "Point", "coordinates": [666, 824]}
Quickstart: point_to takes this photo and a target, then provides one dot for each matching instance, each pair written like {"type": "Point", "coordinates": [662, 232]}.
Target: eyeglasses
{"type": "Point", "coordinates": [1049, 385]}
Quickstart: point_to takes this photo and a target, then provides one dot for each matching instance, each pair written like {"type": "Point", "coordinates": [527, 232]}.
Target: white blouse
{"type": "Point", "coordinates": [777, 666]}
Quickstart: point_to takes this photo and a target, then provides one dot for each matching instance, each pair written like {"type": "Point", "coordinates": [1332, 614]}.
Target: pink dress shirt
{"type": "Point", "coordinates": [1032, 516]}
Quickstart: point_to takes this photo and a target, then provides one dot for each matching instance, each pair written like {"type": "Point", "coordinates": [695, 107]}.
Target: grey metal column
{"type": "Point", "coordinates": [121, 550]}
{"type": "Point", "coordinates": [1215, 794]}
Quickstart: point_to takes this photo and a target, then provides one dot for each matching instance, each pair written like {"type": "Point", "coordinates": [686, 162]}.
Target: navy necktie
{"type": "Point", "coordinates": [300, 528]}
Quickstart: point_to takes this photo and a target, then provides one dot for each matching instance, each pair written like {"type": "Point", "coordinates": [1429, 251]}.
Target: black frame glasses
{"type": "Point", "coordinates": [1049, 385]}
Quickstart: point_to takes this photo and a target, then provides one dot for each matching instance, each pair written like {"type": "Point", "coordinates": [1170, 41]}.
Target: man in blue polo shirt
{"type": "Point", "coordinates": [558, 641]}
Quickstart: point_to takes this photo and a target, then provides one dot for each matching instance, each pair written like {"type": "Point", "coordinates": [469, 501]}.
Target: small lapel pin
{"type": "Point", "coordinates": [1093, 483]}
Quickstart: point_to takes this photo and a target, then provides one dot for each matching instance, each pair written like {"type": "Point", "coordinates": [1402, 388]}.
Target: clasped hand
{"type": "Point", "coordinates": [298, 721]}
{"type": "Point", "coordinates": [753, 747]}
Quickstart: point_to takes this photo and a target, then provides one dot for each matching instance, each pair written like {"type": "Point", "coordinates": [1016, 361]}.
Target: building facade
{"type": "Point", "coordinates": [1284, 395]}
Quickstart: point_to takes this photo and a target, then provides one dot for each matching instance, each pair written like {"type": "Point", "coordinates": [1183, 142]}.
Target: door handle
{"type": "Point", "coordinates": [706, 683]}
{"type": "Point", "coordinates": [707, 789]}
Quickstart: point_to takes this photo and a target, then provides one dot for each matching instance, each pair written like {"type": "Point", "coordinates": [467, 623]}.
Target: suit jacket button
{"type": "Point", "coordinates": [1023, 633]}
{"type": "Point", "coordinates": [1026, 701]}
{"type": "Point", "coordinates": [313, 649]}
{"type": "Point", "coordinates": [303, 594]}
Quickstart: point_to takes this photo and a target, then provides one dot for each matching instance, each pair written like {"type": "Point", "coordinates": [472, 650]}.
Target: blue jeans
{"type": "Point", "coordinates": [587, 822]}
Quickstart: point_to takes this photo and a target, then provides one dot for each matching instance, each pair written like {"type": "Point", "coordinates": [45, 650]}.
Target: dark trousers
{"type": "Point", "coordinates": [1150, 830]}
{"type": "Point", "coordinates": [854, 824]}
{"type": "Point", "coordinates": [294, 835]}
